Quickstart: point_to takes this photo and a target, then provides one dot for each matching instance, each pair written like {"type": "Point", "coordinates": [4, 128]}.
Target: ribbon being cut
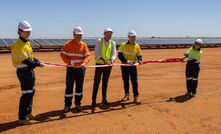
{"type": "Point", "coordinates": [167, 60]}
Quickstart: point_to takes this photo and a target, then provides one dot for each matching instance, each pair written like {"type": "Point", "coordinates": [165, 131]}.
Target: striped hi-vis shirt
{"type": "Point", "coordinates": [20, 51]}
{"type": "Point", "coordinates": [130, 51]}
{"type": "Point", "coordinates": [75, 53]}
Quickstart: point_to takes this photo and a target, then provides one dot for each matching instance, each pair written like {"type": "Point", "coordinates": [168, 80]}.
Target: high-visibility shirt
{"type": "Point", "coordinates": [105, 50]}
{"type": "Point", "coordinates": [130, 51]}
{"type": "Point", "coordinates": [20, 51]}
{"type": "Point", "coordinates": [75, 53]}
{"type": "Point", "coordinates": [194, 54]}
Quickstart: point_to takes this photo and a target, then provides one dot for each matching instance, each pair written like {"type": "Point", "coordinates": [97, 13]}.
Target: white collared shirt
{"type": "Point", "coordinates": [98, 49]}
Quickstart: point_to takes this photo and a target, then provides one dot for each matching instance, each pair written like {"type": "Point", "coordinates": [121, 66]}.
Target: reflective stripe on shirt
{"type": "Point", "coordinates": [74, 54]}
{"type": "Point", "coordinates": [21, 55]}
{"type": "Point", "coordinates": [129, 53]}
{"type": "Point", "coordinates": [21, 66]}
{"type": "Point", "coordinates": [76, 61]}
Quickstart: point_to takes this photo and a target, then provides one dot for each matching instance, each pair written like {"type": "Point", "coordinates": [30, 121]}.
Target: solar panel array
{"type": "Point", "coordinates": [37, 44]}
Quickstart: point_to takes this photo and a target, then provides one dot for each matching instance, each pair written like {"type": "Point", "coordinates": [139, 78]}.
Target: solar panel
{"type": "Point", "coordinates": [58, 41]}
{"type": "Point", "coordinates": [53, 42]}
{"type": "Point", "coordinates": [9, 42]}
{"type": "Point", "coordinates": [41, 41]}
{"type": "Point", "coordinates": [48, 43]}
{"type": "Point", "coordinates": [34, 44]}
{"type": "Point", "coordinates": [65, 40]}
{"type": "Point", "coordinates": [2, 44]}
{"type": "Point", "coordinates": [90, 42]}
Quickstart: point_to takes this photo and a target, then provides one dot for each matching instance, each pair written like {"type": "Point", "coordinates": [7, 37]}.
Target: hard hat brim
{"type": "Point", "coordinates": [29, 29]}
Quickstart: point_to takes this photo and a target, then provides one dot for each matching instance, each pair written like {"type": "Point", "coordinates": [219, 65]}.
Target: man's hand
{"type": "Point", "coordinates": [130, 62]}
{"type": "Point", "coordinates": [183, 58]}
{"type": "Point", "coordinates": [140, 62]}
{"type": "Point", "coordinates": [108, 61]}
{"type": "Point", "coordinates": [112, 61]}
{"type": "Point", "coordinates": [72, 64]}
{"type": "Point", "coordinates": [82, 65]}
{"type": "Point", "coordinates": [41, 65]}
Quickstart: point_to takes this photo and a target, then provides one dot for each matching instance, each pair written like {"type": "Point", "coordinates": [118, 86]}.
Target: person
{"type": "Point", "coordinates": [105, 53]}
{"type": "Point", "coordinates": [76, 53]}
{"type": "Point", "coordinates": [193, 67]}
{"type": "Point", "coordinates": [24, 61]}
{"type": "Point", "coordinates": [130, 53]}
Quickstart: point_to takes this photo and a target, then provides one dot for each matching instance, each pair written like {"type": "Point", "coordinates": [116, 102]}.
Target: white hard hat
{"type": "Point", "coordinates": [78, 30]}
{"type": "Point", "coordinates": [24, 26]}
{"type": "Point", "coordinates": [108, 30]}
{"type": "Point", "coordinates": [199, 41]}
{"type": "Point", "coordinates": [132, 33]}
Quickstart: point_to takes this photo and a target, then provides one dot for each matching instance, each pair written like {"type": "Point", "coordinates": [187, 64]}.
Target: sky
{"type": "Point", "coordinates": [159, 18]}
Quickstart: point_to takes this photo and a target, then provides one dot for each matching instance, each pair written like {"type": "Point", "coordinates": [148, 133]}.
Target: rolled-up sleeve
{"type": "Point", "coordinates": [97, 50]}
{"type": "Point", "coordinates": [87, 55]}
{"type": "Point", "coordinates": [114, 51]}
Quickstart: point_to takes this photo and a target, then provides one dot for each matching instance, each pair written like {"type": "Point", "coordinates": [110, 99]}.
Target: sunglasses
{"type": "Point", "coordinates": [199, 44]}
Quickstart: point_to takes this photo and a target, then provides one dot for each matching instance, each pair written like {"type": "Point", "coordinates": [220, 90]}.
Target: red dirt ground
{"type": "Point", "coordinates": [164, 109]}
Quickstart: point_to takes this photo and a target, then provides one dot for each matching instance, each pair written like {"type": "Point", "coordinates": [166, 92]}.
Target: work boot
{"type": "Point", "coordinates": [78, 107]}
{"type": "Point", "coordinates": [31, 117]}
{"type": "Point", "coordinates": [193, 95]}
{"type": "Point", "coordinates": [136, 100]}
{"type": "Point", "coordinates": [24, 122]}
{"type": "Point", "coordinates": [66, 109]}
{"type": "Point", "coordinates": [188, 94]}
{"type": "Point", "coordinates": [105, 102]}
{"type": "Point", "coordinates": [126, 97]}
{"type": "Point", "coordinates": [93, 104]}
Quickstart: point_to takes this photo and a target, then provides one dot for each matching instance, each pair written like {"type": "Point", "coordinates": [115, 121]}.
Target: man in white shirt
{"type": "Point", "coordinates": [105, 53]}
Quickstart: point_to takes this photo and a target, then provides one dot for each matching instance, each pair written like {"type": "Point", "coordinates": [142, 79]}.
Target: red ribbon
{"type": "Point", "coordinates": [167, 60]}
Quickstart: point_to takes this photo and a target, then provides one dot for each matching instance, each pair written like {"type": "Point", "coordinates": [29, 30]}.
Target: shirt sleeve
{"type": "Point", "coordinates": [138, 50]}
{"type": "Point", "coordinates": [187, 53]}
{"type": "Point", "coordinates": [87, 55]}
{"type": "Point", "coordinates": [31, 63]}
{"type": "Point", "coordinates": [97, 50]}
{"type": "Point", "coordinates": [64, 54]}
{"type": "Point", "coordinates": [120, 49]}
{"type": "Point", "coordinates": [114, 51]}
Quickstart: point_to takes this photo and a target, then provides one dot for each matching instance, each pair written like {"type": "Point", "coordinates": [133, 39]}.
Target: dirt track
{"type": "Point", "coordinates": [164, 109]}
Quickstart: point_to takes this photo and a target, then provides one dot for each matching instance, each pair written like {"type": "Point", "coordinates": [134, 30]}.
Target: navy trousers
{"type": "Point", "coordinates": [26, 78]}
{"type": "Point", "coordinates": [130, 71]}
{"type": "Point", "coordinates": [105, 73]}
{"type": "Point", "coordinates": [74, 75]}
{"type": "Point", "coordinates": [192, 72]}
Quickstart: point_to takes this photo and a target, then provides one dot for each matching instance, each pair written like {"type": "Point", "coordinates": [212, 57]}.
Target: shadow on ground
{"type": "Point", "coordinates": [59, 114]}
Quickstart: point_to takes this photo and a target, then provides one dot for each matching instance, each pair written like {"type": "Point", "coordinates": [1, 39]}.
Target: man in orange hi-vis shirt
{"type": "Point", "coordinates": [76, 53]}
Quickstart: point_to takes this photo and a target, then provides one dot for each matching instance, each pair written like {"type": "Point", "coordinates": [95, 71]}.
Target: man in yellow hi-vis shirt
{"type": "Point", "coordinates": [129, 53]}
{"type": "Point", "coordinates": [23, 60]}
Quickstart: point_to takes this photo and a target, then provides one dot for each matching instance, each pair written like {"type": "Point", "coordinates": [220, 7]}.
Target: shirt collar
{"type": "Point", "coordinates": [24, 40]}
{"type": "Point", "coordinates": [128, 42]}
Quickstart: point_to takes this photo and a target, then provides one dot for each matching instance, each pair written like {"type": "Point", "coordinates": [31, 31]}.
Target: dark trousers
{"type": "Point", "coordinates": [105, 73]}
{"type": "Point", "coordinates": [130, 71]}
{"type": "Point", "coordinates": [26, 78]}
{"type": "Point", "coordinates": [74, 75]}
{"type": "Point", "coordinates": [192, 72]}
